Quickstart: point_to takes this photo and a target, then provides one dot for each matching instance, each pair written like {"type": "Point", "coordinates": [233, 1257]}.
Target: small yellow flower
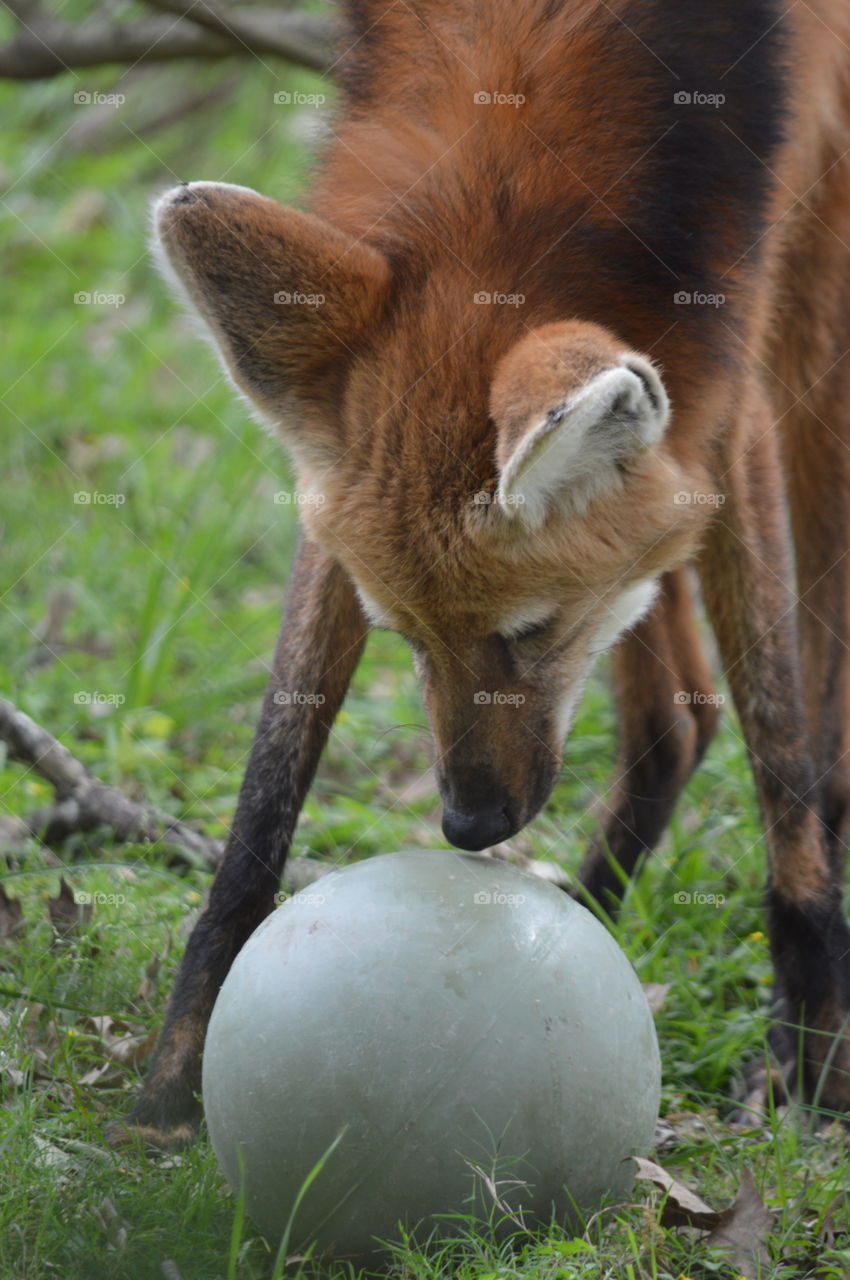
{"type": "Point", "coordinates": [71, 1031]}
{"type": "Point", "coordinates": [758, 936]}
{"type": "Point", "coordinates": [193, 896]}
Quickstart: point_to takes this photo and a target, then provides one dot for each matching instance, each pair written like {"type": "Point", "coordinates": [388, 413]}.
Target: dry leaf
{"type": "Point", "coordinates": [115, 1227]}
{"type": "Point", "coordinates": [66, 913]}
{"type": "Point", "coordinates": [119, 1042]}
{"type": "Point", "coordinates": [146, 986]}
{"type": "Point", "coordinates": [744, 1228]}
{"type": "Point", "coordinates": [656, 995]}
{"type": "Point", "coordinates": [682, 1208]}
{"type": "Point", "coordinates": [96, 1075]}
{"type": "Point", "coordinates": [11, 917]}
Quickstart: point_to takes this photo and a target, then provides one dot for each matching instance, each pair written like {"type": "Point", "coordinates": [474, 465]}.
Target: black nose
{"type": "Point", "coordinates": [476, 830]}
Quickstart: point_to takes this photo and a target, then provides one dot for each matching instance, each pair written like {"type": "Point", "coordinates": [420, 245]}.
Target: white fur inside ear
{"type": "Point", "coordinates": [575, 449]}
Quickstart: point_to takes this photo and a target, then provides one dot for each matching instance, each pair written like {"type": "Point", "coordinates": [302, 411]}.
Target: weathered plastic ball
{"type": "Point", "coordinates": [456, 1020]}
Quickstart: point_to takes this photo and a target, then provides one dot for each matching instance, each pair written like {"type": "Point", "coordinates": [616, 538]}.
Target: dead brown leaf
{"type": "Point", "coordinates": [11, 917]}
{"type": "Point", "coordinates": [116, 1227]}
{"type": "Point", "coordinates": [744, 1228]}
{"type": "Point", "coordinates": [682, 1208]}
{"type": "Point", "coordinates": [146, 986]}
{"type": "Point", "coordinates": [656, 995]}
{"type": "Point", "coordinates": [119, 1042]}
{"type": "Point", "coordinates": [66, 911]}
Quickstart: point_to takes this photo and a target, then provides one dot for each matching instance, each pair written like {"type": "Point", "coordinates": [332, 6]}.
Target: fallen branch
{"type": "Point", "coordinates": [47, 46]}
{"type": "Point", "coordinates": [84, 804]}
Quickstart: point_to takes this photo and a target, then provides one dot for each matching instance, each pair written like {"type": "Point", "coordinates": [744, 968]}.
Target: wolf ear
{"type": "Point", "coordinates": [285, 296]}
{"type": "Point", "coordinates": [572, 409]}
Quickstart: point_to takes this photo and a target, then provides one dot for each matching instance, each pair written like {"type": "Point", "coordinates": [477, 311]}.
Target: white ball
{"type": "Point", "coordinates": [455, 1020]}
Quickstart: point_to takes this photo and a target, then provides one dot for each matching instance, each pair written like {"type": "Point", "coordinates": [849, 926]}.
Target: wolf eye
{"type": "Point", "coordinates": [532, 631]}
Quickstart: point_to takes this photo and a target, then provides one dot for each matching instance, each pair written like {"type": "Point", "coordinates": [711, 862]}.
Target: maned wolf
{"type": "Point", "coordinates": [569, 313]}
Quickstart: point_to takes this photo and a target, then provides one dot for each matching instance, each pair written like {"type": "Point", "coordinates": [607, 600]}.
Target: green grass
{"type": "Point", "coordinates": [171, 600]}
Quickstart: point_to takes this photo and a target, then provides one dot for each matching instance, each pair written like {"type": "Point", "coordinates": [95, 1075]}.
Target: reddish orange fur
{"type": "Point", "coordinates": [401, 398]}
